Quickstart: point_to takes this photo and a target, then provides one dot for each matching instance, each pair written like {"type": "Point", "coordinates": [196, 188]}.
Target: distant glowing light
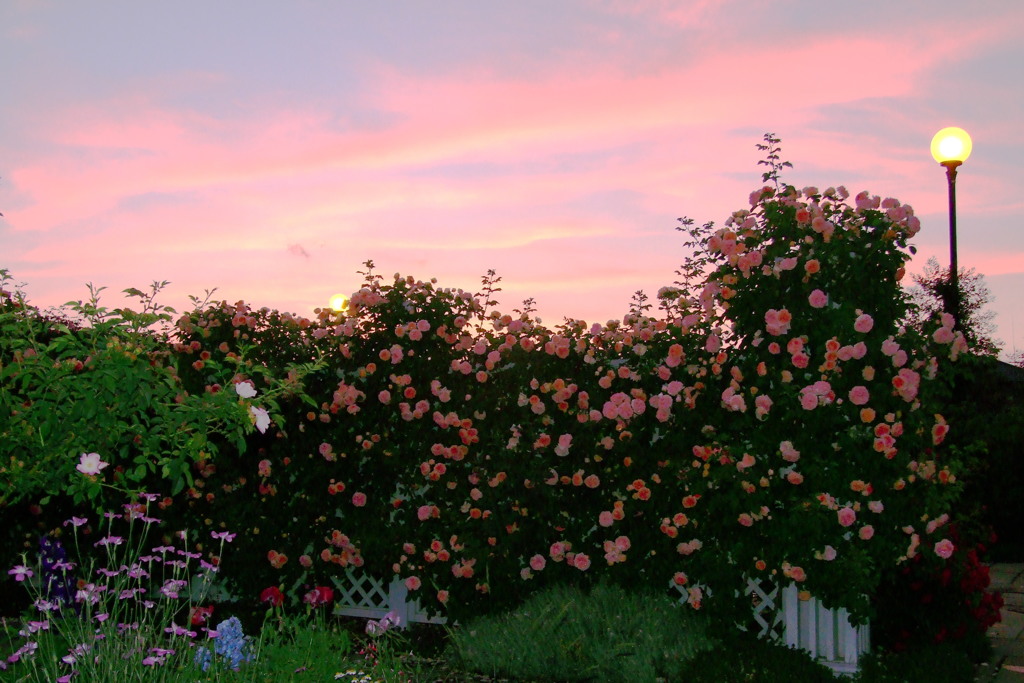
{"type": "Point", "coordinates": [951, 145]}
{"type": "Point", "coordinates": [339, 303]}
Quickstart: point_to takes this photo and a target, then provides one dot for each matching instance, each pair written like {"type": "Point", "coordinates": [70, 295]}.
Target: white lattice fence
{"type": "Point", "coordinates": [361, 595]}
{"type": "Point", "coordinates": [826, 634]}
{"type": "Point", "coordinates": [780, 614]}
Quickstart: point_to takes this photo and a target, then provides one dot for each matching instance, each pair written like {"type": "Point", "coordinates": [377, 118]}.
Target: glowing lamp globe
{"type": "Point", "coordinates": [339, 303]}
{"type": "Point", "coordinates": [951, 146]}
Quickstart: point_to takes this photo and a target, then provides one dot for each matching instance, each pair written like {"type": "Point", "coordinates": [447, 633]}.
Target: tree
{"type": "Point", "coordinates": [931, 290]}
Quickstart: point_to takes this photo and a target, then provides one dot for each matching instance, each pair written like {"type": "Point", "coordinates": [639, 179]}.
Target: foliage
{"type": "Point", "coordinates": [742, 658]}
{"type": "Point", "coordinates": [107, 384]}
{"type": "Point", "coordinates": [930, 295]}
{"type": "Point", "coordinates": [936, 663]}
{"type": "Point", "coordinates": [563, 633]}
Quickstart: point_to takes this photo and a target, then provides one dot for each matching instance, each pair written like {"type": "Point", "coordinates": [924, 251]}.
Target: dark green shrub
{"type": "Point", "coordinates": [563, 633]}
{"type": "Point", "coordinates": [744, 658]}
{"type": "Point", "coordinates": [937, 663]}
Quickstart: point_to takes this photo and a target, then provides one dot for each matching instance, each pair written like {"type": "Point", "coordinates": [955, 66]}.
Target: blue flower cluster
{"type": "Point", "coordinates": [56, 582]}
{"type": "Point", "coordinates": [230, 643]}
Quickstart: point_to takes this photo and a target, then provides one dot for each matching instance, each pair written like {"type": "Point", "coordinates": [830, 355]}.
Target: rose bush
{"type": "Point", "coordinates": [775, 420]}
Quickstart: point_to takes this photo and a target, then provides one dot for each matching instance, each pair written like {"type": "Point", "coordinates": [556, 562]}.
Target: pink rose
{"type": "Point", "coordinates": [605, 519]}
{"type": "Point", "coordinates": [866, 532]}
{"type": "Point", "coordinates": [413, 583]}
{"type": "Point", "coordinates": [944, 548]}
{"type": "Point", "coordinates": [537, 562]}
{"type": "Point", "coordinates": [789, 454]}
{"type": "Point", "coordinates": [864, 323]}
{"type": "Point", "coordinates": [808, 400]}
{"type": "Point", "coordinates": [846, 516]}
{"type": "Point", "coordinates": [859, 395]}
{"type": "Point", "coordinates": [581, 562]}
{"type": "Point", "coordinates": [818, 299]}
{"type": "Point", "coordinates": [359, 499]}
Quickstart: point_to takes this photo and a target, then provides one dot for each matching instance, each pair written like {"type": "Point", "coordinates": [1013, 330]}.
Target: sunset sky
{"type": "Point", "coordinates": [268, 148]}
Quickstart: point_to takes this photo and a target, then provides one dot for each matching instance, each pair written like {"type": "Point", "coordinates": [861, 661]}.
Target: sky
{"type": "Point", "coordinates": [268, 149]}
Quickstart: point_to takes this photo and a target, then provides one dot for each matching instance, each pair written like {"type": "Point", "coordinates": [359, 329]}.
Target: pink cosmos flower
{"type": "Point", "coordinates": [818, 299]}
{"type": "Point", "coordinates": [864, 323]}
{"type": "Point", "coordinates": [944, 548]}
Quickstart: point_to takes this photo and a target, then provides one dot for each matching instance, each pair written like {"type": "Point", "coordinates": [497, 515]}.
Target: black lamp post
{"type": "Point", "coordinates": [951, 147]}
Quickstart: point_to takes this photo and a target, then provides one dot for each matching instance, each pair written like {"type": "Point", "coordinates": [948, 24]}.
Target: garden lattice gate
{"type": "Point", "coordinates": [362, 595]}
{"type": "Point", "coordinates": [826, 634]}
{"type": "Point", "coordinates": [780, 614]}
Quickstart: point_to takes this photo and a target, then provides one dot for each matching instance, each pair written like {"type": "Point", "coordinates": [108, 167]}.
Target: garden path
{"type": "Point", "coordinates": [1007, 664]}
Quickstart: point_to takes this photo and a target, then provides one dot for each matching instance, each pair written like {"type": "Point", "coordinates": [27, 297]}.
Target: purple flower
{"type": "Point", "coordinates": [21, 572]}
{"type": "Point", "coordinates": [109, 540]}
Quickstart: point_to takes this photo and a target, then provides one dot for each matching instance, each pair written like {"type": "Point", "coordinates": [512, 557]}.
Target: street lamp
{"type": "Point", "coordinates": [951, 147]}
